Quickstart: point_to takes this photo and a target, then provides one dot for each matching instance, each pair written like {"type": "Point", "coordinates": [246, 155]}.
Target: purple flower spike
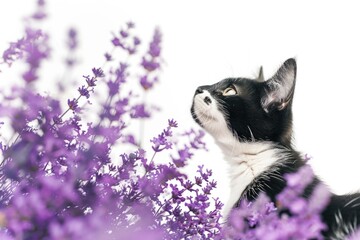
{"type": "Point", "coordinates": [72, 39]}
{"type": "Point", "coordinates": [139, 111]}
{"type": "Point", "coordinates": [150, 65]}
{"type": "Point", "coordinates": [98, 72]}
{"type": "Point", "coordinates": [137, 41]}
{"type": "Point", "coordinates": [151, 61]}
{"type": "Point", "coordinates": [73, 104]}
{"type": "Point", "coordinates": [41, 3]}
{"type": "Point", "coordinates": [108, 57]}
{"type": "Point", "coordinates": [163, 140]}
{"type": "Point", "coordinates": [172, 123]}
{"type": "Point", "coordinates": [84, 91]}
{"type": "Point", "coordinates": [30, 76]}
{"type": "Point", "coordinates": [124, 33]}
{"type": "Point", "coordinates": [116, 42]}
{"type": "Point", "coordinates": [155, 48]}
{"type": "Point", "coordinates": [146, 83]}
{"type": "Point", "coordinates": [91, 81]}
{"type": "Point", "coordinates": [130, 25]}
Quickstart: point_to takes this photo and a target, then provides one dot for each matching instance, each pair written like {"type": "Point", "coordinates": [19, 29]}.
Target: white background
{"type": "Point", "coordinates": [206, 41]}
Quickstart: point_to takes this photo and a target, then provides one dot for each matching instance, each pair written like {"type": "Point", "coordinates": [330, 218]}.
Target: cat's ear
{"type": "Point", "coordinates": [279, 90]}
{"type": "Point", "coordinates": [260, 77]}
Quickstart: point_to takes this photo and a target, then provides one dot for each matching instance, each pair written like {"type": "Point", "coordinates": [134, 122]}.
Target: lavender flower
{"type": "Point", "coordinates": [98, 72]}
{"type": "Point", "coordinates": [37, 50]}
{"type": "Point", "coordinates": [108, 57]}
{"type": "Point", "coordinates": [72, 44]}
{"type": "Point", "coordinates": [149, 64]}
{"type": "Point", "coordinates": [130, 25]}
{"type": "Point", "coordinates": [72, 104]}
{"type": "Point", "coordinates": [72, 39]}
{"type": "Point", "coordinates": [116, 42]}
{"type": "Point", "coordinates": [155, 49]}
{"type": "Point", "coordinates": [163, 140]}
{"type": "Point", "coordinates": [123, 40]}
{"type": "Point", "coordinates": [13, 52]}
{"type": "Point", "coordinates": [151, 61]}
{"type": "Point", "coordinates": [124, 33]}
{"type": "Point", "coordinates": [91, 81]}
{"type": "Point", "coordinates": [40, 13]}
{"type": "Point", "coordinates": [84, 91]}
{"type": "Point", "coordinates": [137, 41]}
{"type": "Point", "coordinates": [29, 47]}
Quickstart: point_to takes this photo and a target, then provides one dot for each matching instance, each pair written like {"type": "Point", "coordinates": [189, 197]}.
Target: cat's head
{"type": "Point", "coordinates": [250, 109]}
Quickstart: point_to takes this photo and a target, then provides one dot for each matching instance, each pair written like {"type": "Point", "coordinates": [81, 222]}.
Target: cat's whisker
{"type": "Point", "coordinates": [351, 201]}
{"type": "Point", "coordinates": [251, 134]}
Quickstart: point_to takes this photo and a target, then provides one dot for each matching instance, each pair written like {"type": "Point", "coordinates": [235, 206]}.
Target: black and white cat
{"type": "Point", "coordinates": [251, 121]}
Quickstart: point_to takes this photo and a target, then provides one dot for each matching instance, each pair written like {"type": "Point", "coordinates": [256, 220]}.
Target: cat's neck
{"type": "Point", "coordinates": [232, 147]}
{"type": "Point", "coordinates": [248, 160]}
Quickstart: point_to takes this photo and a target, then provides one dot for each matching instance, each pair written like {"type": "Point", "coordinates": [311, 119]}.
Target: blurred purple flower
{"type": "Point", "coordinates": [124, 33]}
{"type": "Point", "coordinates": [163, 140]}
{"type": "Point", "coordinates": [150, 64]}
{"type": "Point", "coordinates": [137, 41]}
{"type": "Point", "coordinates": [33, 47]}
{"type": "Point", "coordinates": [139, 111]}
{"type": "Point", "coordinates": [72, 39]}
{"type": "Point", "coordinates": [125, 40]}
{"type": "Point", "coordinates": [116, 42]}
{"type": "Point", "coordinates": [84, 91]}
{"type": "Point", "coordinates": [151, 61]}
{"type": "Point", "coordinates": [41, 3]}
{"type": "Point", "coordinates": [98, 72]}
{"type": "Point", "coordinates": [130, 25]}
{"type": "Point", "coordinates": [108, 57]}
{"type": "Point", "coordinates": [40, 13]}
{"type": "Point", "coordinates": [91, 81]}
{"type": "Point", "coordinates": [155, 48]}
{"type": "Point", "coordinates": [72, 104]}
{"type": "Point", "coordinates": [30, 76]}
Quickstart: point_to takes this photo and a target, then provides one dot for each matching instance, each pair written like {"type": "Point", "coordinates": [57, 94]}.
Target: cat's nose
{"type": "Point", "coordinates": [199, 90]}
{"type": "Point", "coordinates": [207, 100]}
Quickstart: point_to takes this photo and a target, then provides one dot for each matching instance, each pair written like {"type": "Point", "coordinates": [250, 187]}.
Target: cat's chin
{"type": "Point", "coordinates": [203, 113]}
{"type": "Point", "coordinates": [206, 119]}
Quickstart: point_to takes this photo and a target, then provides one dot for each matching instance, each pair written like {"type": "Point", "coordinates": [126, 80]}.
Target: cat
{"type": "Point", "coordinates": [251, 122]}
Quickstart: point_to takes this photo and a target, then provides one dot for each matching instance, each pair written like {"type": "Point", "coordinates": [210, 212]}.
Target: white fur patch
{"type": "Point", "coordinates": [247, 159]}
{"type": "Point", "coordinates": [246, 166]}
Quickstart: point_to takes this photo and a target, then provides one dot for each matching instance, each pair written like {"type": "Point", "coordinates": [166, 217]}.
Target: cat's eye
{"type": "Point", "coordinates": [229, 91]}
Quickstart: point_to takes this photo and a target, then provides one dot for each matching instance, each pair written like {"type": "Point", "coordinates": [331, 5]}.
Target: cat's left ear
{"type": "Point", "coordinates": [260, 77]}
{"type": "Point", "coordinates": [279, 90]}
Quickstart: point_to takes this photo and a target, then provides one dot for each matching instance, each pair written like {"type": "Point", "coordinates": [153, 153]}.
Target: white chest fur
{"type": "Point", "coordinates": [246, 166]}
